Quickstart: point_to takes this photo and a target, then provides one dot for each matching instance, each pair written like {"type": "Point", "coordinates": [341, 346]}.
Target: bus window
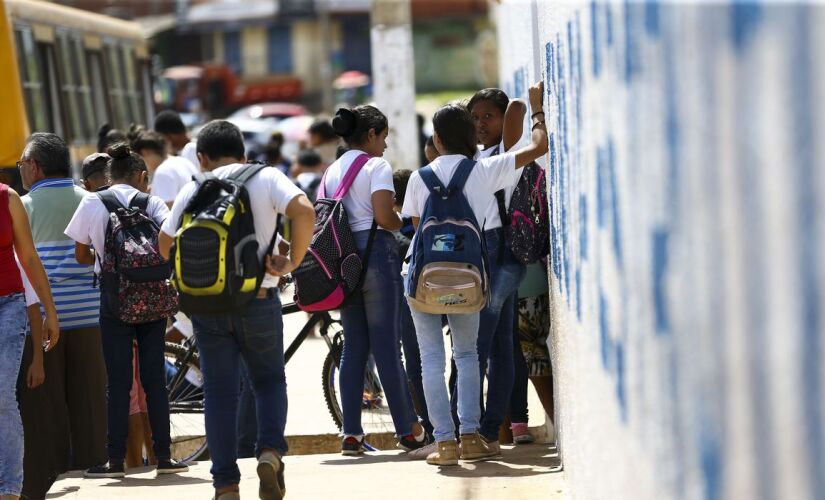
{"type": "Point", "coordinates": [146, 89]}
{"type": "Point", "coordinates": [84, 91]}
{"type": "Point", "coordinates": [31, 74]}
{"type": "Point", "coordinates": [114, 81]}
{"type": "Point", "coordinates": [132, 84]}
{"type": "Point", "coordinates": [101, 104]}
{"type": "Point", "coordinates": [51, 79]}
{"type": "Point", "coordinates": [68, 90]}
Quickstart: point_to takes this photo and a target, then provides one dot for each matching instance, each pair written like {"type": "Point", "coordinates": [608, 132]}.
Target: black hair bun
{"type": "Point", "coordinates": [344, 122]}
{"type": "Point", "coordinates": [104, 129]}
{"type": "Point", "coordinates": [119, 151]}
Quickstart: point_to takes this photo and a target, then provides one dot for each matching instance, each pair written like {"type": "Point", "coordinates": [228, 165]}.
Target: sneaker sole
{"type": "Point", "coordinates": [349, 453]}
{"type": "Point", "coordinates": [110, 475]}
{"type": "Point", "coordinates": [445, 463]}
{"type": "Point", "coordinates": [481, 458]}
{"type": "Point", "coordinates": [171, 471]}
{"type": "Point", "coordinates": [523, 440]}
{"type": "Point", "coordinates": [270, 488]}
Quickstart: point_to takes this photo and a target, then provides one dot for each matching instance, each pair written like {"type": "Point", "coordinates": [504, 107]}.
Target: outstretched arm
{"type": "Point", "coordinates": [538, 144]}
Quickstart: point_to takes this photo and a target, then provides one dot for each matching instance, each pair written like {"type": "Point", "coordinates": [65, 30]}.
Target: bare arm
{"type": "Point", "coordinates": [165, 244]}
{"type": "Point", "coordinates": [415, 222]}
{"type": "Point", "coordinates": [383, 211]}
{"type": "Point", "coordinates": [301, 215]}
{"type": "Point", "coordinates": [30, 261]}
{"type": "Point", "coordinates": [513, 123]}
{"type": "Point", "coordinates": [84, 254]}
{"type": "Point", "coordinates": [538, 144]}
{"type": "Point", "coordinates": [36, 373]}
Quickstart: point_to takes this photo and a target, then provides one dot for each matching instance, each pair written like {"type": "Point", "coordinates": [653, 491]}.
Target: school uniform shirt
{"type": "Point", "coordinates": [493, 217]}
{"type": "Point", "coordinates": [270, 192]}
{"type": "Point", "coordinates": [488, 176]}
{"type": "Point", "coordinates": [375, 175]}
{"type": "Point", "coordinates": [50, 205]}
{"type": "Point", "coordinates": [170, 176]}
{"type": "Point", "coordinates": [28, 289]}
{"type": "Point", "coordinates": [190, 152]}
{"type": "Point", "coordinates": [88, 225]}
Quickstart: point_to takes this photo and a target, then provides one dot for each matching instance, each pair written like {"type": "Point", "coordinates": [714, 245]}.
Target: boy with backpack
{"type": "Point", "coordinates": [449, 269]}
{"type": "Point", "coordinates": [232, 211]}
{"type": "Point", "coordinates": [117, 231]}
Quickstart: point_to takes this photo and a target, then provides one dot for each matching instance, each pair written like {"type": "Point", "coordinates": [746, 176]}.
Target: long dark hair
{"type": "Point", "coordinates": [455, 128]}
{"type": "Point", "coordinates": [496, 96]}
{"type": "Point", "coordinates": [353, 125]}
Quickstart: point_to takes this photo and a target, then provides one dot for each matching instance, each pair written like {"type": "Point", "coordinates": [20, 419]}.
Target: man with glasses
{"type": "Point", "coordinates": [73, 434]}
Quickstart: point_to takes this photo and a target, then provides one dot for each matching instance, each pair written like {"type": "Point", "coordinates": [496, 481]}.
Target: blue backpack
{"type": "Point", "coordinates": [448, 271]}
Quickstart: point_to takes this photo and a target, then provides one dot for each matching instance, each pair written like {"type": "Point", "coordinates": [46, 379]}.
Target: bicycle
{"type": "Point", "coordinates": [185, 384]}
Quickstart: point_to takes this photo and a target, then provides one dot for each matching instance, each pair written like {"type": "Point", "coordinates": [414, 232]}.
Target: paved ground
{"type": "Point", "coordinates": [526, 472]}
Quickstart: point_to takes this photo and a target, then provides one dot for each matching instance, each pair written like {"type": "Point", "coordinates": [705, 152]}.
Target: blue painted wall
{"type": "Point", "coordinates": [687, 185]}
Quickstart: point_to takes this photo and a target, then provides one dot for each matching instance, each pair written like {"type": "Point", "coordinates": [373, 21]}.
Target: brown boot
{"type": "Point", "coordinates": [447, 454]}
{"type": "Point", "coordinates": [473, 447]}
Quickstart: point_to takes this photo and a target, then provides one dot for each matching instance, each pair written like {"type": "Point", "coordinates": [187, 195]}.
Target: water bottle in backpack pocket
{"type": "Point", "coordinates": [332, 268]}
{"type": "Point", "coordinates": [448, 271]}
{"type": "Point", "coordinates": [134, 277]}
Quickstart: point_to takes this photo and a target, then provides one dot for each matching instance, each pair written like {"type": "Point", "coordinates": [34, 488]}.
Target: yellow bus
{"type": "Point", "coordinates": [67, 71]}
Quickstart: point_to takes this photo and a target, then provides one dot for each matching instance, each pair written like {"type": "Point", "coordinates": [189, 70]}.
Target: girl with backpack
{"type": "Point", "coordinates": [370, 315]}
{"type": "Point", "coordinates": [117, 231]}
{"type": "Point", "coordinates": [455, 139]}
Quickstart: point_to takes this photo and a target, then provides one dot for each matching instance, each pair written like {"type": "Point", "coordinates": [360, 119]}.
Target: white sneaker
{"type": "Point", "coordinates": [422, 453]}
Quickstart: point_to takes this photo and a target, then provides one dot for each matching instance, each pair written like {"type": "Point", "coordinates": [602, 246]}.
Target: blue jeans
{"type": "Point", "coordinates": [371, 323]}
{"type": "Point", "coordinates": [495, 333]}
{"type": "Point", "coordinates": [12, 340]}
{"type": "Point", "coordinates": [117, 338]}
{"type": "Point", "coordinates": [254, 337]}
{"type": "Point", "coordinates": [464, 328]}
{"type": "Point", "coordinates": [247, 420]}
{"type": "Point", "coordinates": [412, 363]}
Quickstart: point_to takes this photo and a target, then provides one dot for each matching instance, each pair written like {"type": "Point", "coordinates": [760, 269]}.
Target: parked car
{"type": "Point", "coordinates": [270, 111]}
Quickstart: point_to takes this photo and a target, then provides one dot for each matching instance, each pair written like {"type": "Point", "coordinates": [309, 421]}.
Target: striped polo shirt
{"type": "Point", "coordinates": [50, 205]}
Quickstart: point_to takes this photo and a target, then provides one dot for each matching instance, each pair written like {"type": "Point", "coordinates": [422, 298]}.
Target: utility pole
{"type": "Point", "coordinates": [322, 7]}
{"type": "Point", "coordinates": [393, 76]}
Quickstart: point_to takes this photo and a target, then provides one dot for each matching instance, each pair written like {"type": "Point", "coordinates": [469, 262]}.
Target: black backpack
{"type": "Point", "coordinates": [216, 268]}
{"type": "Point", "coordinates": [526, 222]}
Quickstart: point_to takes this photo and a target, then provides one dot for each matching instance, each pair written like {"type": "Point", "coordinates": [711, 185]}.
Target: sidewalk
{"type": "Point", "coordinates": [529, 472]}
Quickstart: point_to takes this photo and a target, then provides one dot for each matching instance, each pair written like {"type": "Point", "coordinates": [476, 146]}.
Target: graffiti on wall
{"type": "Point", "coordinates": [686, 252]}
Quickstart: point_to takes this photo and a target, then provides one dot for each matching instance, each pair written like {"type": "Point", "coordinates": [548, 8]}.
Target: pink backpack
{"type": "Point", "coordinates": [332, 268]}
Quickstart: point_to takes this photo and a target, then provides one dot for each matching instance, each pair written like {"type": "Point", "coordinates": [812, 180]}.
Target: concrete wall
{"type": "Point", "coordinates": [687, 190]}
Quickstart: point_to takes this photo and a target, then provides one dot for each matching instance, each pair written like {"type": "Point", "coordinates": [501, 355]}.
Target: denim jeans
{"type": "Point", "coordinates": [247, 420]}
{"type": "Point", "coordinates": [464, 328]}
{"type": "Point", "coordinates": [254, 337]}
{"type": "Point", "coordinates": [12, 340]}
{"type": "Point", "coordinates": [495, 333]}
{"type": "Point", "coordinates": [117, 338]}
{"type": "Point", "coordinates": [412, 363]}
{"type": "Point", "coordinates": [371, 325]}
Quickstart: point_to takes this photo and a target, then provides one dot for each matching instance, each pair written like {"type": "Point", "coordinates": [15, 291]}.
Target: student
{"type": "Point", "coordinates": [430, 153]}
{"type": "Point", "coordinates": [371, 316]}
{"type": "Point", "coordinates": [273, 153]}
{"type": "Point", "coordinates": [455, 139]}
{"type": "Point", "coordinates": [168, 174]}
{"type": "Point", "coordinates": [106, 136]}
{"type": "Point", "coordinates": [75, 432]}
{"type": "Point", "coordinates": [322, 139]}
{"type": "Point", "coordinates": [254, 336]}
{"type": "Point", "coordinates": [16, 238]}
{"type": "Point", "coordinates": [169, 124]}
{"type": "Point", "coordinates": [412, 356]}
{"type": "Point", "coordinates": [498, 123]}
{"type": "Point", "coordinates": [88, 228]}
{"type": "Point", "coordinates": [307, 172]}
{"type": "Point", "coordinates": [95, 172]}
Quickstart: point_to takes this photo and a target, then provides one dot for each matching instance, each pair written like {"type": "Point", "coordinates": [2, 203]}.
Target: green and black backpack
{"type": "Point", "coordinates": [215, 263]}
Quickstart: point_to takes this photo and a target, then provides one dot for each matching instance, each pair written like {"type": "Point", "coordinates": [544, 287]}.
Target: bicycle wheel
{"type": "Point", "coordinates": [184, 385]}
{"type": "Point", "coordinates": [375, 414]}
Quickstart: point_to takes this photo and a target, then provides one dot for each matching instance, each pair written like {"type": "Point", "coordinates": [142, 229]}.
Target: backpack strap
{"type": "Point", "coordinates": [432, 182]}
{"type": "Point", "coordinates": [140, 201]}
{"type": "Point", "coordinates": [109, 200]}
{"type": "Point", "coordinates": [243, 175]}
{"type": "Point", "coordinates": [350, 176]}
{"type": "Point", "coordinates": [461, 174]}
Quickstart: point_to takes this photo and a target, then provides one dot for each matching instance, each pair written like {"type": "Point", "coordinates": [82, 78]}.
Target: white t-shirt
{"type": "Point", "coordinates": [375, 175]}
{"type": "Point", "coordinates": [270, 192]}
{"type": "Point", "coordinates": [493, 217]}
{"type": "Point", "coordinates": [170, 176]}
{"type": "Point", "coordinates": [488, 176]}
{"type": "Point", "coordinates": [28, 289]}
{"type": "Point", "coordinates": [190, 152]}
{"type": "Point", "coordinates": [88, 225]}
